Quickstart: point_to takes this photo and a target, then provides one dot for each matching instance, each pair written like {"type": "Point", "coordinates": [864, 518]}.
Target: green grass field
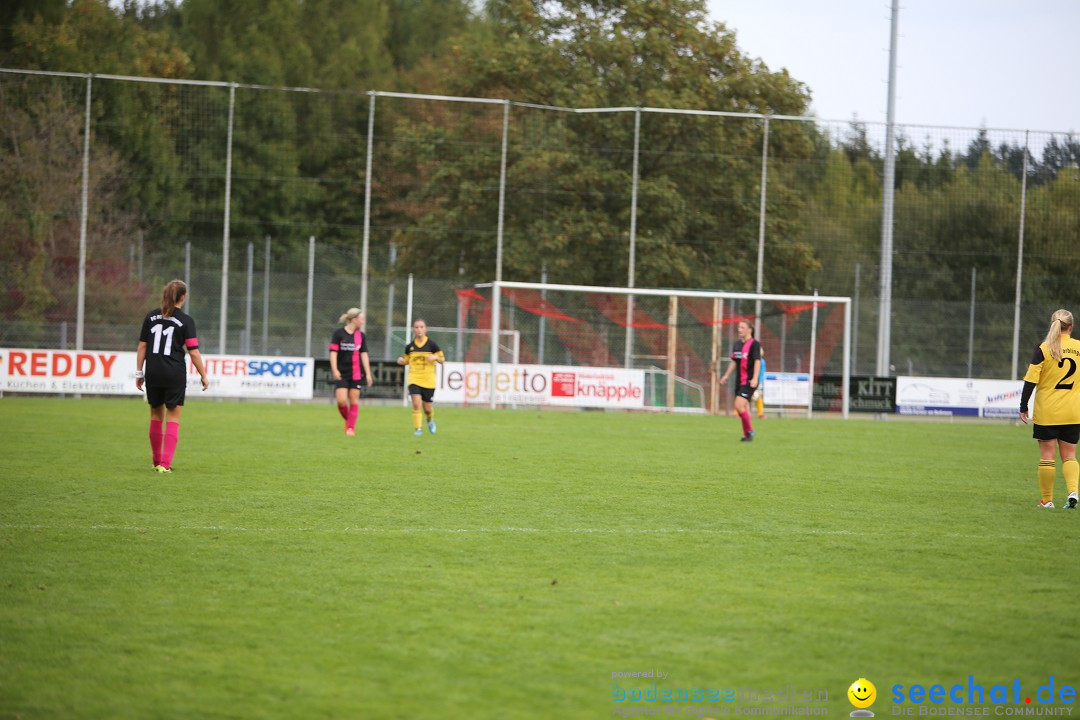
{"type": "Point", "coordinates": [508, 566]}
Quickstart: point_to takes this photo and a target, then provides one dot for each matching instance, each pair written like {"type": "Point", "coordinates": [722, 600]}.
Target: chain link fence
{"type": "Point", "coordinates": [253, 193]}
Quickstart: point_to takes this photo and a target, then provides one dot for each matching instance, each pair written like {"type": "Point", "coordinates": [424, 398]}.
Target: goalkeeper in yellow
{"type": "Point", "coordinates": [421, 355]}
{"type": "Point", "coordinates": [1052, 375]}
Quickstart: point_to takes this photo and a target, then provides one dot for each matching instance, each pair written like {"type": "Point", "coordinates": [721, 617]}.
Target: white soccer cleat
{"type": "Point", "coordinates": [1048, 504]}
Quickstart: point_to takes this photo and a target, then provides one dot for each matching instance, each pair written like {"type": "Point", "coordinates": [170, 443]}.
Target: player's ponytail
{"type": "Point", "coordinates": [350, 315]}
{"type": "Point", "coordinates": [1060, 321]}
{"type": "Point", "coordinates": [171, 297]}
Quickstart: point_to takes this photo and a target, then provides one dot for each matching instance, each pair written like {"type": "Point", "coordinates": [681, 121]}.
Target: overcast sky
{"type": "Point", "coordinates": [996, 63]}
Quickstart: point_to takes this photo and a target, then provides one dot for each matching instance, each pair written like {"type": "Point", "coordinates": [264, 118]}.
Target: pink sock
{"type": "Point", "coordinates": [747, 428]}
{"type": "Point", "coordinates": [156, 433]}
{"type": "Point", "coordinates": [344, 410]}
{"type": "Point", "coordinates": [354, 412]}
{"type": "Point", "coordinates": [172, 436]}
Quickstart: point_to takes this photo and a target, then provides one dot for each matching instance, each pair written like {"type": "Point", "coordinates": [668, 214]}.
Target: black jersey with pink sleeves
{"type": "Point", "coordinates": [744, 354]}
{"type": "Point", "coordinates": [349, 346]}
{"type": "Point", "coordinates": [167, 339]}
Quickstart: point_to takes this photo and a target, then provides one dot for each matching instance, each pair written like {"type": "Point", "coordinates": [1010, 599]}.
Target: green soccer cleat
{"type": "Point", "coordinates": [1070, 504]}
{"type": "Point", "coordinates": [162, 470]}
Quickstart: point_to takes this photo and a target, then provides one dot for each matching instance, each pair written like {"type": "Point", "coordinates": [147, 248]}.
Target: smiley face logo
{"type": "Point", "coordinates": [862, 693]}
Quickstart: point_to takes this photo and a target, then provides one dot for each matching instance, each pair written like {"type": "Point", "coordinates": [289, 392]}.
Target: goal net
{"type": "Point", "coordinates": [583, 346]}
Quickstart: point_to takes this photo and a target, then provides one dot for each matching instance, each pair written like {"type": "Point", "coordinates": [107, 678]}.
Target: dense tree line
{"type": "Point", "coordinates": [299, 158]}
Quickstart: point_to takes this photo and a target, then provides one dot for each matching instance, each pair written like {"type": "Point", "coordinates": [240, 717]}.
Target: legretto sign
{"type": "Point", "coordinates": [95, 372]}
{"type": "Point", "coordinates": [470, 384]}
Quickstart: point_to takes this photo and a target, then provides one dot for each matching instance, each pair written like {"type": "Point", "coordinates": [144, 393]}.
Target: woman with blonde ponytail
{"type": "Point", "coordinates": [350, 364]}
{"type": "Point", "coordinates": [167, 333]}
{"type": "Point", "coordinates": [1052, 376]}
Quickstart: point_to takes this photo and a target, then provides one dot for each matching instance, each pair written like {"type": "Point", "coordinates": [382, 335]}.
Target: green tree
{"type": "Point", "coordinates": [40, 197]}
{"type": "Point", "coordinates": [698, 176]}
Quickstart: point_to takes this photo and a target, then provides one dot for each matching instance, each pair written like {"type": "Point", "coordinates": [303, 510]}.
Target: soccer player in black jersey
{"type": "Point", "coordinates": [746, 355]}
{"type": "Point", "coordinates": [1052, 376]}
{"type": "Point", "coordinates": [350, 365]}
{"type": "Point", "coordinates": [160, 365]}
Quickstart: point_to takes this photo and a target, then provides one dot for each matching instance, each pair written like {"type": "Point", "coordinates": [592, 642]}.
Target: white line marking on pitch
{"type": "Point", "coordinates": [503, 530]}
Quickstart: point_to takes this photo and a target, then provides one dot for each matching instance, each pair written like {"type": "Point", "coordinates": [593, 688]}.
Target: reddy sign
{"type": "Point", "coordinates": [60, 371]}
{"type": "Point", "coordinates": [113, 373]}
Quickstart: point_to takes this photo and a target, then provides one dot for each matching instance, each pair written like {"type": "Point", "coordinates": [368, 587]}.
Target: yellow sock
{"type": "Point", "coordinates": [761, 406]}
{"type": "Point", "coordinates": [1072, 474]}
{"type": "Point", "coordinates": [1047, 473]}
{"type": "Point", "coordinates": [430, 415]}
{"type": "Point", "coordinates": [416, 416]}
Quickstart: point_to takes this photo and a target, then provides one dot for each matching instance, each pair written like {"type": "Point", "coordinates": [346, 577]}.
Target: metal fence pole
{"type": "Point", "coordinates": [367, 204]}
{"type": "Point", "coordinates": [761, 221]}
{"type": "Point", "coordinates": [1020, 260]}
{"type": "Point", "coordinates": [631, 261]}
{"type": "Point", "coordinates": [855, 328]}
{"type": "Point", "coordinates": [971, 325]}
{"type": "Point", "coordinates": [885, 300]}
{"type": "Point", "coordinates": [502, 194]}
{"type": "Point", "coordinates": [408, 327]}
{"type": "Point", "coordinates": [310, 294]}
{"type": "Point", "coordinates": [266, 300]}
{"type": "Point", "coordinates": [187, 271]}
{"type": "Point", "coordinates": [247, 311]}
{"type": "Point", "coordinates": [390, 307]}
{"type": "Point", "coordinates": [80, 312]}
{"type": "Point", "coordinates": [543, 324]}
{"type": "Point", "coordinates": [408, 307]}
{"type": "Point", "coordinates": [223, 333]}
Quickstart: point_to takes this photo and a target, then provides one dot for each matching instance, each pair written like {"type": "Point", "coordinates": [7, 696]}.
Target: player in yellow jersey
{"type": "Point", "coordinates": [1052, 375]}
{"type": "Point", "coordinates": [421, 355]}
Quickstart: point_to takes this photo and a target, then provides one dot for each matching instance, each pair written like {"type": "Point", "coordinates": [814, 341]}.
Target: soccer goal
{"type": "Point", "coordinates": [648, 349]}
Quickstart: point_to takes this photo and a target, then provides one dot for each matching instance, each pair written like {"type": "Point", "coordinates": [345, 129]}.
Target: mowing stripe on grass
{"type": "Point", "coordinates": [508, 530]}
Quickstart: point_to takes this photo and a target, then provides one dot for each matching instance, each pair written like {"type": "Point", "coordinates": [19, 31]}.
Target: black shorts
{"type": "Point", "coordinates": [1065, 433]}
{"type": "Point", "coordinates": [744, 391]}
{"type": "Point", "coordinates": [170, 396]}
{"type": "Point", "coordinates": [349, 384]}
{"type": "Point", "coordinates": [426, 394]}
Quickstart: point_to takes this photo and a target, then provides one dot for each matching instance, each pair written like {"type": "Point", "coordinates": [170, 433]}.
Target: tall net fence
{"type": "Point", "coordinates": [182, 178]}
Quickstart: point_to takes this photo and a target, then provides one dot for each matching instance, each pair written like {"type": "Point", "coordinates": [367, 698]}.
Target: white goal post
{"type": "Point", "coordinates": [786, 315]}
